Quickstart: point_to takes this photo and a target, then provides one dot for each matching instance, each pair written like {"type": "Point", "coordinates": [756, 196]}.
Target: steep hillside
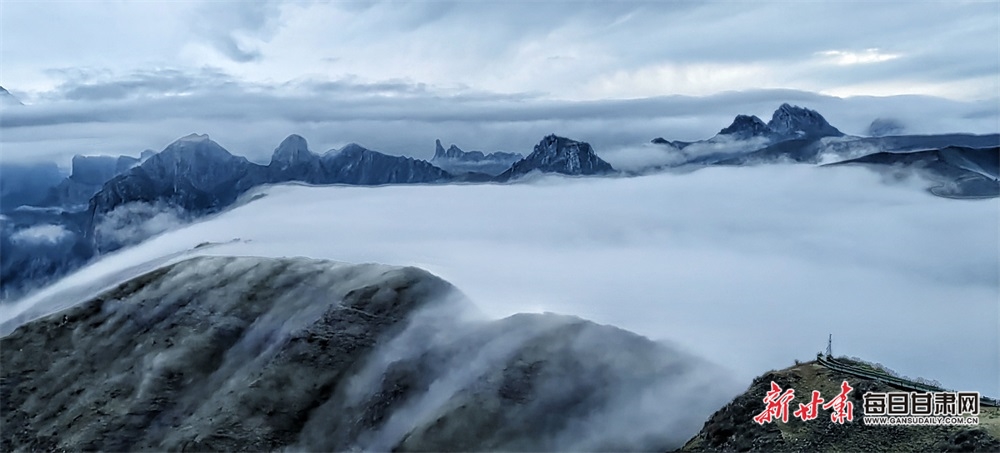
{"type": "Point", "coordinates": [225, 353]}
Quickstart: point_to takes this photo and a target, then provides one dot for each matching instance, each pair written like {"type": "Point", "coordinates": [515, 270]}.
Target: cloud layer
{"type": "Point", "coordinates": [571, 50]}
{"type": "Point", "coordinates": [749, 267]}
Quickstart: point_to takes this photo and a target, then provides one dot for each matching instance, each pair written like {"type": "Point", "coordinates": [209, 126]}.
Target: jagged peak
{"type": "Point", "coordinates": [438, 149]}
{"type": "Point", "coordinates": [559, 141]}
{"type": "Point", "coordinates": [746, 126]}
{"type": "Point", "coordinates": [793, 120]}
{"type": "Point", "coordinates": [555, 154]}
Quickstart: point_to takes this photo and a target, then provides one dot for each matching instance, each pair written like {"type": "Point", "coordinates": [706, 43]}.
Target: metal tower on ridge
{"type": "Point", "coordinates": [829, 346]}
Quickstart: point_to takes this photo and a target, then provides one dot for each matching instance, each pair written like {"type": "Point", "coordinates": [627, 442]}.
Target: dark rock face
{"type": "Point", "coordinates": [745, 127]}
{"type": "Point", "coordinates": [559, 155]}
{"type": "Point", "coordinates": [456, 161]}
{"type": "Point", "coordinates": [292, 161]}
{"type": "Point", "coordinates": [193, 173]}
{"type": "Point", "coordinates": [198, 175]}
{"type": "Point", "coordinates": [218, 353]}
{"type": "Point", "coordinates": [354, 164]}
{"type": "Point", "coordinates": [795, 121]}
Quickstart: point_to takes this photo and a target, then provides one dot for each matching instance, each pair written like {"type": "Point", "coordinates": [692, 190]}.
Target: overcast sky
{"type": "Point", "coordinates": [119, 77]}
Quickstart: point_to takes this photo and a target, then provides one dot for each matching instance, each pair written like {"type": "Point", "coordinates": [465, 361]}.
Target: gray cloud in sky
{"type": "Point", "coordinates": [489, 75]}
{"type": "Point", "coordinates": [570, 50]}
{"type": "Point", "coordinates": [231, 27]}
{"type": "Point", "coordinates": [79, 86]}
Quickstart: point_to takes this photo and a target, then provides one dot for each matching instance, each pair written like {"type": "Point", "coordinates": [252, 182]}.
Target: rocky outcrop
{"type": "Point", "coordinates": [193, 173]}
{"type": "Point", "coordinates": [797, 122]}
{"type": "Point", "coordinates": [561, 155]}
{"type": "Point", "coordinates": [745, 127]}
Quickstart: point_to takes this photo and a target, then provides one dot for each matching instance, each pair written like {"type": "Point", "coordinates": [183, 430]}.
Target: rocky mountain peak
{"type": "Point", "coordinates": [744, 126]}
{"type": "Point", "coordinates": [792, 120]}
{"type": "Point", "coordinates": [292, 150]}
{"type": "Point", "coordinates": [555, 154]}
{"type": "Point", "coordinates": [439, 151]}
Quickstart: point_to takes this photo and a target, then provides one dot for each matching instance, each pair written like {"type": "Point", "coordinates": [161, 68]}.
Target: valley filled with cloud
{"type": "Point", "coordinates": [531, 226]}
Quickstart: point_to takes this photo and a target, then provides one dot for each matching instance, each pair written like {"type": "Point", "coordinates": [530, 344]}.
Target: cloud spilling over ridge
{"type": "Point", "coordinates": [749, 267]}
{"type": "Point", "coordinates": [370, 357]}
{"type": "Point", "coordinates": [132, 223]}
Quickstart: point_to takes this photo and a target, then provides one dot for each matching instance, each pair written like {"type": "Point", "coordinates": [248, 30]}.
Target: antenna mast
{"type": "Point", "coordinates": [829, 346]}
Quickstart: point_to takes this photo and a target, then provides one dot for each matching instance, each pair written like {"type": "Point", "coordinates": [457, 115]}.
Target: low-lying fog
{"type": "Point", "coordinates": [749, 267]}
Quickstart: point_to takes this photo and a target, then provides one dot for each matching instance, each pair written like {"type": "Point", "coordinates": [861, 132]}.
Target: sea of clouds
{"type": "Point", "coordinates": [751, 268]}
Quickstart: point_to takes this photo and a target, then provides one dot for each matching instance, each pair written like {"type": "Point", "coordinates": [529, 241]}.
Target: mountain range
{"type": "Point", "coordinates": [95, 209]}
{"type": "Point", "coordinates": [800, 135]}
{"type": "Point", "coordinates": [194, 176]}
{"type": "Point", "coordinates": [199, 175]}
